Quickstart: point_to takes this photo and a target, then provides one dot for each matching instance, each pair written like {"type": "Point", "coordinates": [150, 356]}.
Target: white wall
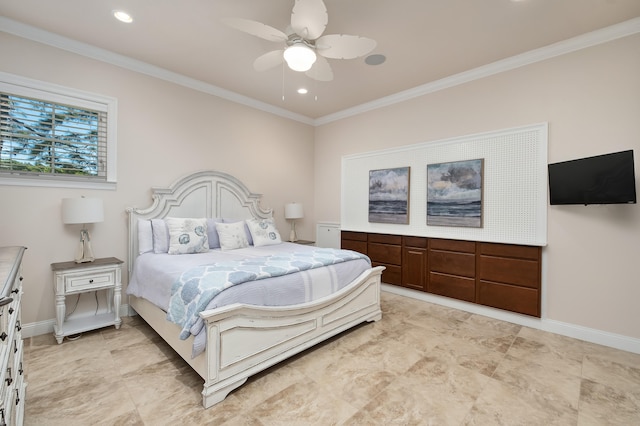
{"type": "Point", "coordinates": [165, 131]}
{"type": "Point", "coordinates": [591, 100]}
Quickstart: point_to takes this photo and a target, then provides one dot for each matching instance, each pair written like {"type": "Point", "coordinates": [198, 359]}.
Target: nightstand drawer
{"type": "Point", "coordinates": [84, 281]}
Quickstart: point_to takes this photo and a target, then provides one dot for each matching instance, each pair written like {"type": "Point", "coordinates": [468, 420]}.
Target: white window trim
{"type": "Point", "coordinates": [27, 87]}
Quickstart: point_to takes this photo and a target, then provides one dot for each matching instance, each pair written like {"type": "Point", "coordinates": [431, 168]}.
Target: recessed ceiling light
{"type": "Point", "coordinates": [303, 91]}
{"type": "Point", "coordinates": [376, 59]}
{"type": "Point", "coordinates": [122, 16]}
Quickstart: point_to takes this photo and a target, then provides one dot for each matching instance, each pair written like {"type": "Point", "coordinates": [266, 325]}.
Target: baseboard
{"type": "Point", "coordinates": [45, 327]}
{"type": "Point", "coordinates": [592, 335]}
{"type": "Point", "coordinates": [599, 337]}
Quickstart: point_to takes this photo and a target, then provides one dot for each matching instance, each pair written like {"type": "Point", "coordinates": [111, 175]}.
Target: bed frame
{"type": "Point", "coordinates": [243, 340]}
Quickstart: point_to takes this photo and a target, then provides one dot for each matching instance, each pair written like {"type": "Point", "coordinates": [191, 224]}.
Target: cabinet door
{"type": "Point", "coordinates": [414, 268]}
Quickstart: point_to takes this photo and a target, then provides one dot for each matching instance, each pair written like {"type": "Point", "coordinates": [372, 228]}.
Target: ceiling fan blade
{"type": "Point", "coordinates": [309, 18]}
{"type": "Point", "coordinates": [321, 70]}
{"type": "Point", "coordinates": [268, 60]}
{"type": "Point", "coordinates": [255, 28]}
{"type": "Point", "coordinates": [341, 46]}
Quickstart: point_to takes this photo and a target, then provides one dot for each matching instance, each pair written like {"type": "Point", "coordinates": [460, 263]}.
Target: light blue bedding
{"type": "Point", "coordinates": [197, 286]}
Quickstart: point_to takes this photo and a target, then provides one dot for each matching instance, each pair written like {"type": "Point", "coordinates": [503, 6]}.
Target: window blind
{"type": "Point", "coordinates": [40, 137]}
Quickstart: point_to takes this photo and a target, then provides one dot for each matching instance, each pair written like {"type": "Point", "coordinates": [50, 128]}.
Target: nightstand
{"type": "Point", "coordinates": [73, 278]}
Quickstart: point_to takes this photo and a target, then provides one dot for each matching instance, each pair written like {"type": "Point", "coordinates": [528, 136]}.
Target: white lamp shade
{"type": "Point", "coordinates": [300, 57]}
{"type": "Point", "coordinates": [82, 210]}
{"type": "Point", "coordinates": [293, 211]}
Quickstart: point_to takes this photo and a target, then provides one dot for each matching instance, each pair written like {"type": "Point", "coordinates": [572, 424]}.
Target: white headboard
{"type": "Point", "coordinates": [201, 194]}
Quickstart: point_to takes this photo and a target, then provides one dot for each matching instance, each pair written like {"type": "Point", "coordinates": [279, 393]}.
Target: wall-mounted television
{"type": "Point", "coordinates": [603, 179]}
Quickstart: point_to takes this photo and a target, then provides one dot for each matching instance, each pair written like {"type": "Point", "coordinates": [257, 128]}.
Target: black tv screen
{"type": "Point", "coordinates": [603, 179]}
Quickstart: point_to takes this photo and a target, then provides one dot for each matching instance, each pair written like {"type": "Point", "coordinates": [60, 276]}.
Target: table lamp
{"type": "Point", "coordinates": [293, 211]}
{"type": "Point", "coordinates": [84, 211]}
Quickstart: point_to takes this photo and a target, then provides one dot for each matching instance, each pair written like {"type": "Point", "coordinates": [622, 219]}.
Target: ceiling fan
{"type": "Point", "coordinates": [305, 48]}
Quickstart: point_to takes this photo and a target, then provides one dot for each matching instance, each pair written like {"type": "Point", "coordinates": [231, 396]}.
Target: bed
{"type": "Point", "coordinates": [241, 339]}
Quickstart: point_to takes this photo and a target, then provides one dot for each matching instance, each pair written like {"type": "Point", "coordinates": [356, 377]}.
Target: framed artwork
{"type": "Point", "coordinates": [389, 195]}
{"type": "Point", "coordinates": [454, 193]}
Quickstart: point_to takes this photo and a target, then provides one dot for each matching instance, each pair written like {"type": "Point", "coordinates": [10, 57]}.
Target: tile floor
{"type": "Point", "coordinates": [422, 364]}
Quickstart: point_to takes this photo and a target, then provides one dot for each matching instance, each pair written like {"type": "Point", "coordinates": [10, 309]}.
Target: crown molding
{"type": "Point", "coordinates": [583, 41]}
{"type": "Point", "coordinates": [41, 36]}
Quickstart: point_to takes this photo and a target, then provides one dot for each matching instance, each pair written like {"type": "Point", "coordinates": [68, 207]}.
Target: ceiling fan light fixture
{"type": "Point", "coordinates": [300, 57]}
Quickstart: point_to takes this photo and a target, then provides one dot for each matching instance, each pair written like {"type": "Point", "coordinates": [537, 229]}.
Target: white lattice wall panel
{"type": "Point", "coordinates": [514, 185]}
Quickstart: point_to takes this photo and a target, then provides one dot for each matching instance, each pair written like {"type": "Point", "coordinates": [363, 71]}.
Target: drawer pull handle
{"type": "Point", "coordinates": [11, 310]}
{"type": "Point", "coordinates": [17, 396]}
{"type": "Point", "coordinates": [18, 326]}
{"type": "Point", "coordinates": [3, 336]}
{"type": "Point", "coordinates": [15, 290]}
{"type": "Point", "coordinates": [21, 370]}
{"type": "Point", "coordinates": [91, 281]}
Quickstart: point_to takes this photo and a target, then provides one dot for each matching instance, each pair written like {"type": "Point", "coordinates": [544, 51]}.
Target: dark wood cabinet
{"type": "Point", "coordinates": [414, 263]}
{"type": "Point", "coordinates": [386, 250]}
{"type": "Point", "coordinates": [356, 241]}
{"type": "Point", "coordinates": [504, 276]}
{"type": "Point", "coordinates": [509, 277]}
{"type": "Point", "coordinates": [452, 269]}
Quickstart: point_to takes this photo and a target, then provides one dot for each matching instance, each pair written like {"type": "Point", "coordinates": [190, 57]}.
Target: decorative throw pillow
{"type": "Point", "coordinates": [187, 235]}
{"type": "Point", "coordinates": [232, 235]}
{"type": "Point", "coordinates": [263, 232]}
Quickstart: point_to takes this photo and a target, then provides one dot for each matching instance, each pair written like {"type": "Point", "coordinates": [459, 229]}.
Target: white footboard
{"type": "Point", "coordinates": [243, 340]}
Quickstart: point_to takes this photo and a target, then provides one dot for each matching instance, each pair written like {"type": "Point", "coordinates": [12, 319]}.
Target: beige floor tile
{"type": "Point", "coordinates": [604, 405]}
{"type": "Point", "coordinates": [502, 404]}
{"type": "Point", "coordinates": [421, 364]}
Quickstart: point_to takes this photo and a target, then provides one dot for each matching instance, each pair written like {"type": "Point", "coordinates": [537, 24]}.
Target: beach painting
{"type": "Point", "coordinates": [389, 195]}
{"type": "Point", "coordinates": [454, 193]}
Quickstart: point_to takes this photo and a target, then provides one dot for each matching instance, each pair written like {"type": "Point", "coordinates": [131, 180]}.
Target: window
{"type": "Point", "coordinates": [55, 136]}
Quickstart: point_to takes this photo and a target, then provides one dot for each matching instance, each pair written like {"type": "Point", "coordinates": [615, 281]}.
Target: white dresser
{"type": "Point", "coordinates": [12, 383]}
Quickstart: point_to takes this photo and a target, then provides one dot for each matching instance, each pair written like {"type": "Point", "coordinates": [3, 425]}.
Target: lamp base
{"type": "Point", "coordinates": [84, 253]}
{"type": "Point", "coordinates": [292, 236]}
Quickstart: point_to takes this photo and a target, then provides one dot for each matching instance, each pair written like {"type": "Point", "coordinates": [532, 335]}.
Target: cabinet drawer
{"type": "Point", "coordinates": [84, 281]}
{"type": "Point", "coordinates": [452, 245]}
{"type": "Point", "coordinates": [385, 239]}
{"type": "Point", "coordinates": [391, 275]}
{"type": "Point", "coordinates": [512, 298]}
{"type": "Point", "coordinates": [359, 246]}
{"type": "Point", "coordinates": [451, 286]}
{"type": "Point", "coordinates": [510, 250]}
{"type": "Point", "coordinates": [385, 253]}
{"type": "Point", "coordinates": [418, 242]}
{"type": "Point", "coordinates": [462, 264]}
{"type": "Point", "coordinates": [520, 272]}
{"type": "Point", "coordinates": [351, 235]}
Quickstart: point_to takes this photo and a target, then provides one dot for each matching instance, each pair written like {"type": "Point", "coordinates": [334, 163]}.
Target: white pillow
{"type": "Point", "coordinates": [263, 232]}
{"type": "Point", "coordinates": [145, 236]}
{"type": "Point", "coordinates": [187, 235]}
{"type": "Point", "coordinates": [160, 236]}
{"type": "Point", "coordinates": [212, 233]}
{"type": "Point", "coordinates": [232, 235]}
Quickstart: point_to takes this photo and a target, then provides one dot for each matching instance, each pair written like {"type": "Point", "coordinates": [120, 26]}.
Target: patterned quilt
{"type": "Point", "coordinates": [196, 287]}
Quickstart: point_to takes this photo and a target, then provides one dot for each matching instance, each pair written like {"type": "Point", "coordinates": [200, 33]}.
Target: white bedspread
{"type": "Point", "coordinates": [154, 274]}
